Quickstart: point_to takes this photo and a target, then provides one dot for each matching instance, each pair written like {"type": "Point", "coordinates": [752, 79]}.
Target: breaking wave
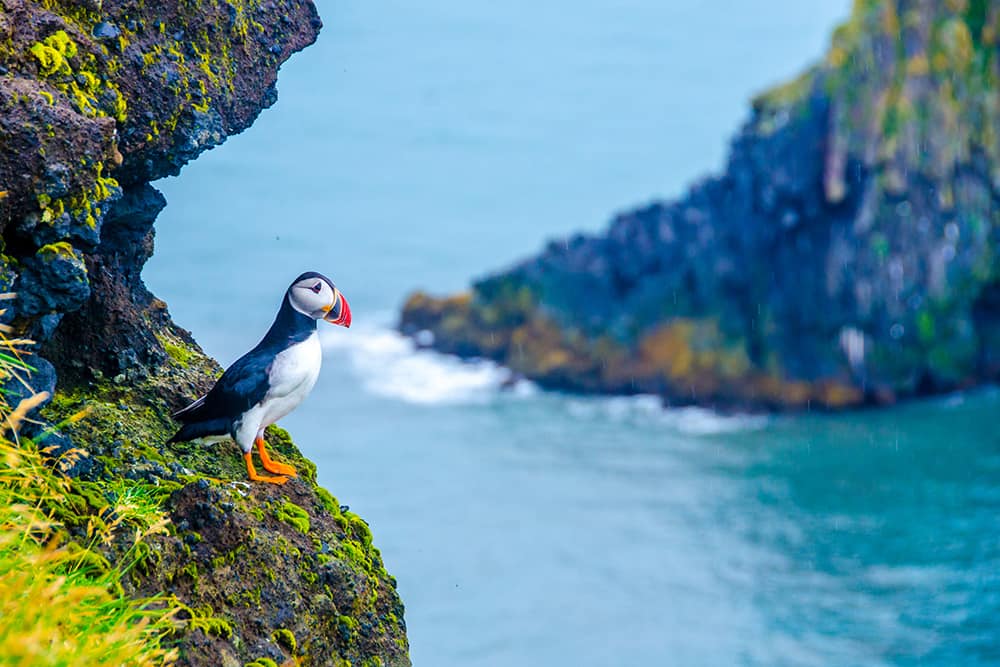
{"type": "Point", "coordinates": [391, 365]}
{"type": "Point", "coordinates": [650, 411]}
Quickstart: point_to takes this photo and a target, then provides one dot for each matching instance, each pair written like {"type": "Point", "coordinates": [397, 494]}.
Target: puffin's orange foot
{"type": "Point", "coordinates": [270, 480]}
{"type": "Point", "coordinates": [280, 468]}
{"type": "Point", "coordinates": [271, 465]}
{"type": "Point", "coordinates": [248, 457]}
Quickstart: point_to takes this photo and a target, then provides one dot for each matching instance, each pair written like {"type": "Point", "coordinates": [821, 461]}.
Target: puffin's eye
{"type": "Point", "coordinates": [317, 287]}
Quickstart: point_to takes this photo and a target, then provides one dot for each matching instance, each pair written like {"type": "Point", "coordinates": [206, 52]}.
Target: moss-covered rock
{"type": "Point", "coordinates": [848, 253]}
{"type": "Point", "coordinates": [132, 88]}
{"type": "Point", "coordinates": [263, 572]}
{"type": "Point", "coordinates": [96, 100]}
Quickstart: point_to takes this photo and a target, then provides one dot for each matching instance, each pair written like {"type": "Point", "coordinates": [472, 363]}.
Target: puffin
{"type": "Point", "coordinates": [272, 379]}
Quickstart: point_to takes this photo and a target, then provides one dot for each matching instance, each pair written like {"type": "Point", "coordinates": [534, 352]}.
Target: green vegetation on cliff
{"type": "Point", "coordinates": [164, 553]}
{"type": "Point", "coordinates": [69, 606]}
{"type": "Point", "coordinates": [258, 572]}
{"type": "Point", "coordinates": [54, 556]}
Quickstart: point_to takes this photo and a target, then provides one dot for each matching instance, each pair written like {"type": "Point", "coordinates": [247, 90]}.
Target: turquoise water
{"type": "Point", "coordinates": [421, 144]}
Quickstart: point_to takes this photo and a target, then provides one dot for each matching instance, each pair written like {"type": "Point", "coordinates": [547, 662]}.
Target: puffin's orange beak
{"type": "Point", "coordinates": [339, 312]}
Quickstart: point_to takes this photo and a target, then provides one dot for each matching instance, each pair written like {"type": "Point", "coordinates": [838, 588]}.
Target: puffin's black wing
{"type": "Point", "coordinates": [179, 415]}
{"type": "Point", "coordinates": [243, 385]}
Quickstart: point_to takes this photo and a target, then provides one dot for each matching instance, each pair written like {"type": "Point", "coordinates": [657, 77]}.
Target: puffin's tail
{"type": "Point", "coordinates": [201, 430]}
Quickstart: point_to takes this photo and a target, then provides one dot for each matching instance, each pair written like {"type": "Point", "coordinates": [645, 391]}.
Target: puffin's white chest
{"type": "Point", "coordinates": [292, 376]}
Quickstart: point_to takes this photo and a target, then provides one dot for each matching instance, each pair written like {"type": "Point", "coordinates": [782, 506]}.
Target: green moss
{"type": "Point", "coordinates": [285, 638]}
{"type": "Point", "coordinates": [147, 559]}
{"type": "Point", "coordinates": [357, 551]}
{"type": "Point", "coordinates": [191, 570]}
{"type": "Point", "coordinates": [252, 597]}
{"type": "Point", "coordinates": [203, 618]}
{"type": "Point", "coordinates": [262, 662]}
{"type": "Point", "coordinates": [87, 205]}
{"type": "Point", "coordinates": [360, 529]}
{"type": "Point", "coordinates": [294, 516]}
{"type": "Point", "coordinates": [128, 421]}
{"type": "Point", "coordinates": [356, 556]}
{"type": "Point", "coordinates": [60, 250]}
{"type": "Point", "coordinates": [53, 53]}
{"type": "Point", "coordinates": [75, 75]}
{"type": "Point", "coordinates": [329, 502]}
{"type": "Point", "coordinates": [52, 210]}
{"type": "Point", "coordinates": [179, 353]}
{"type": "Point", "coordinates": [284, 547]}
{"type": "Point", "coordinates": [218, 627]}
{"type": "Point", "coordinates": [307, 571]}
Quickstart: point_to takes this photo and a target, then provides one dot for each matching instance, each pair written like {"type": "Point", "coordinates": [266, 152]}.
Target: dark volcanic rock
{"type": "Point", "coordinates": [847, 254]}
{"type": "Point", "coordinates": [54, 280]}
{"type": "Point", "coordinates": [290, 572]}
{"type": "Point", "coordinates": [99, 101]}
{"type": "Point", "coordinates": [115, 329]}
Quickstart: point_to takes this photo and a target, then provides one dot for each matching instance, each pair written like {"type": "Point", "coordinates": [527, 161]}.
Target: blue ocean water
{"type": "Point", "coordinates": [422, 144]}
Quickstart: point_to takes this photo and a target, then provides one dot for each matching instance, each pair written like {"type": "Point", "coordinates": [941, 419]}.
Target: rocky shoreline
{"type": "Point", "coordinates": [97, 99]}
{"type": "Point", "coordinates": [846, 256]}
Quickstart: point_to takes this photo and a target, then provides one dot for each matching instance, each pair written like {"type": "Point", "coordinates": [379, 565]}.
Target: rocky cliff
{"type": "Point", "coordinates": [847, 254]}
{"type": "Point", "coordinates": [97, 99]}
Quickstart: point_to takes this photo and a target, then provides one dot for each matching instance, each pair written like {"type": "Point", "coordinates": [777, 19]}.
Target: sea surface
{"type": "Point", "coordinates": [419, 145]}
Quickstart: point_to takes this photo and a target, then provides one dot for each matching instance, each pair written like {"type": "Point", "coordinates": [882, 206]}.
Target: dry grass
{"type": "Point", "coordinates": [61, 603]}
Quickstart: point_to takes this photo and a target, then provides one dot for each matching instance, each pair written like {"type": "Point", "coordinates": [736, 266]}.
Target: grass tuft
{"type": "Point", "coordinates": [61, 601]}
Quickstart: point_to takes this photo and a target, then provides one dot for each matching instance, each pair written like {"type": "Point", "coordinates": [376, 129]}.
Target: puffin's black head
{"type": "Point", "coordinates": [314, 295]}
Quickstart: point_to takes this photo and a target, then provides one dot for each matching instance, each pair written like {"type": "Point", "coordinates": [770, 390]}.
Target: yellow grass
{"type": "Point", "coordinates": [61, 602]}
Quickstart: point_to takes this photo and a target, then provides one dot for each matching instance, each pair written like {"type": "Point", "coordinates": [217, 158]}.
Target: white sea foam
{"type": "Point", "coordinates": [701, 421]}
{"type": "Point", "coordinates": [392, 365]}
{"type": "Point", "coordinates": [649, 410]}
{"type": "Point", "coordinates": [389, 364]}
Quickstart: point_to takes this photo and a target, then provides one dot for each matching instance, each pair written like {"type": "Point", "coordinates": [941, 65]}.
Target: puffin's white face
{"type": "Point", "coordinates": [316, 297]}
